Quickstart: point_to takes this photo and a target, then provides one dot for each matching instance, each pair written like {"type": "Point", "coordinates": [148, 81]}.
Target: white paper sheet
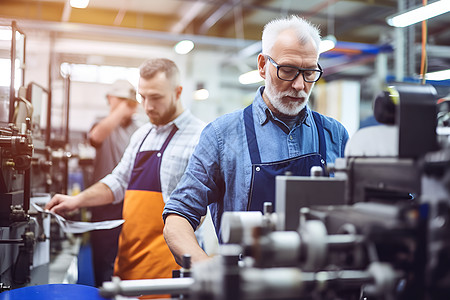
{"type": "Point", "coordinates": [79, 227]}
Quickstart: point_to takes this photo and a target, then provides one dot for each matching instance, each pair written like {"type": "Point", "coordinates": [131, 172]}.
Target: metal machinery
{"type": "Point", "coordinates": [26, 176]}
{"type": "Point", "coordinates": [378, 229]}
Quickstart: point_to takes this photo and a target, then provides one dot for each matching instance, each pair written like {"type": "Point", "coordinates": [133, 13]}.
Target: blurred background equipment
{"type": "Point", "coordinates": [31, 168]}
{"type": "Point", "coordinates": [23, 241]}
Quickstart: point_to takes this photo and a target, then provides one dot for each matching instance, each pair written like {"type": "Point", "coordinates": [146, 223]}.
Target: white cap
{"type": "Point", "coordinates": [122, 89]}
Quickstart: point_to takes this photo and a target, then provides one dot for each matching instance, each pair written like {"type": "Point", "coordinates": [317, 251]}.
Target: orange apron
{"type": "Point", "coordinates": [143, 252]}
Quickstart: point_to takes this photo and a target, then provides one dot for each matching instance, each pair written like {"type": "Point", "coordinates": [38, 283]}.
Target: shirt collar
{"type": "Point", "coordinates": [264, 114]}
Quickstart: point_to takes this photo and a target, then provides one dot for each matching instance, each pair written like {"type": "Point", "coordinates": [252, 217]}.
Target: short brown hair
{"type": "Point", "coordinates": [153, 66]}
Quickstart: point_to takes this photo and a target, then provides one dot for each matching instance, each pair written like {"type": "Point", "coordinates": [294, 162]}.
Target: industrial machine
{"type": "Point", "coordinates": [378, 229]}
{"type": "Point", "coordinates": [27, 175]}
{"type": "Point", "coordinates": [24, 248]}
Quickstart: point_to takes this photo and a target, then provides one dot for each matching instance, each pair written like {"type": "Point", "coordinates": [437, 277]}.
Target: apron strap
{"type": "Point", "coordinates": [145, 137]}
{"type": "Point", "coordinates": [322, 144]}
{"type": "Point", "coordinates": [251, 136]}
{"type": "Point", "coordinates": [171, 134]}
{"type": "Point", "coordinates": [166, 142]}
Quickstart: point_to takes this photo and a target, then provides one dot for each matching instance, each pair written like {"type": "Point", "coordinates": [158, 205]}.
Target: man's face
{"type": "Point", "coordinates": [160, 98]}
{"type": "Point", "coordinates": [287, 97]}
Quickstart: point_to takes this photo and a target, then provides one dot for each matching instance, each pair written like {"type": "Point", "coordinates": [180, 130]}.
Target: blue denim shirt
{"type": "Point", "coordinates": [219, 171]}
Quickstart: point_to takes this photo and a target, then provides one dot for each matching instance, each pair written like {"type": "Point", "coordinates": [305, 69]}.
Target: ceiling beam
{"type": "Point", "coordinates": [139, 35]}
{"type": "Point", "coordinates": [215, 17]}
{"type": "Point", "coordinates": [121, 13]}
{"type": "Point", "coordinates": [66, 12]}
{"type": "Point", "coordinates": [188, 17]}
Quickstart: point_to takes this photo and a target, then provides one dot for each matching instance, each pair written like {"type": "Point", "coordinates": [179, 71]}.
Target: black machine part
{"type": "Point", "coordinates": [413, 108]}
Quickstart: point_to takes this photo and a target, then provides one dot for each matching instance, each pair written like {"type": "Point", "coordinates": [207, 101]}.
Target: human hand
{"type": "Point", "coordinates": [126, 108]}
{"type": "Point", "coordinates": [62, 204]}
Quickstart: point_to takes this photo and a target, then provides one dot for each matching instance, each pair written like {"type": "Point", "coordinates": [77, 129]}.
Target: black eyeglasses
{"type": "Point", "coordinates": [290, 73]}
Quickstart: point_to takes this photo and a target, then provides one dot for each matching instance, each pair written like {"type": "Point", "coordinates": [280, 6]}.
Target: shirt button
{"type": "Point", "coordinates": [257, 169]}
{"type": "Point", "coordinates": [291, 137]}
{"type": "Point", "coordinates": [159, 154]}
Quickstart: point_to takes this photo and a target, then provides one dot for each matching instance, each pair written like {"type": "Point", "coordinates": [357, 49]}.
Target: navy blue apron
{"type": "Point", "coordinates": [262, 188]}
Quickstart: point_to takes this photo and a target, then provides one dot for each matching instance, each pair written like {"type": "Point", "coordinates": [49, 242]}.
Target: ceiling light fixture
{"type": "Point", "coordinates": [327, 43]}
{"type": "Point", "coordinates": [419, 14]}
{"type": "Point", "coordinates": [184, 47]}
{"type": "Point", "coordinates": [201, 93]}
{"type": "Point", "coordinates": [250, 77]}
{"type": "Point", "coordinates": [79, 3]}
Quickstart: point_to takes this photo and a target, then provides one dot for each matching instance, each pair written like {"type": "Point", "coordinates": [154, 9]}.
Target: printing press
{"type": "Point", "coordinates": [377, 229]}
{"type": "Point", "coordinates": [28, 175]}
{"type": "Point", "coordinates": [24, 245]}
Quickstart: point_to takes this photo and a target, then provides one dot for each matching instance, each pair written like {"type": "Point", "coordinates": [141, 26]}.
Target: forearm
{"type": "Point", "coordinates": [104, 128]}
{"type": "Point", "coordinates": [96, 195]}
{"type": "Point", "coordinates": [181, 239]}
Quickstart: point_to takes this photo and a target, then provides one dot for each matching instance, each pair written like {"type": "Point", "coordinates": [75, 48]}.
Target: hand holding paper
{"type": "Point", "coordinates": [79, 227]}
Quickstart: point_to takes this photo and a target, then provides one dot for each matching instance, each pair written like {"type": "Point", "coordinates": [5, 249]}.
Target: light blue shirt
{"type": "Point", "coordinates": [219, 171]}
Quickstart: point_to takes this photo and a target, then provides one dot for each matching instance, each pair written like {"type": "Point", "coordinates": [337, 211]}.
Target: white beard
{"type": "Point", "coordinates": [285, 107]}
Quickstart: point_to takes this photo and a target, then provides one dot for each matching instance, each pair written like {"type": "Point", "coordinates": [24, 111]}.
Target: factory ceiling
{"type": "Point", "coordinates": [359, 25]}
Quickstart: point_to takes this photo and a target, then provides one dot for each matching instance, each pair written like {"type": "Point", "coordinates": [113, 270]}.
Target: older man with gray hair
{"type": "Point", "coordinates": [233, 168]}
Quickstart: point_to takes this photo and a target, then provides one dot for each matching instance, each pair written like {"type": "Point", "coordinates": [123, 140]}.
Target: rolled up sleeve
{"type": "Point", "coordinates": [202, 182]}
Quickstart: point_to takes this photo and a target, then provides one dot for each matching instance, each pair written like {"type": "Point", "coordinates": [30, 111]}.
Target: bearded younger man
{"type": "Point", "coordinates": [149, 170]}
{"type": "Point", "coordinates": [233, 168]}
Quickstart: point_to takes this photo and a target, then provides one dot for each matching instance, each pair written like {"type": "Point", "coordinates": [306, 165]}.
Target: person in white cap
{"type": "Point", "coordinates": [110, 135]}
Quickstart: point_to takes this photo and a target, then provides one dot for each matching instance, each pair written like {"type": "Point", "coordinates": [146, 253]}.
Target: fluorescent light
{"type": "Point", "coordinates": [419, 14]}
{"type": "Point", "coordinates": [440, 75]}
{"type": "Point", "coordinates": [184, 47]}
{"type": "Point", "coordinates": [250, 77]}
{"type": "Point", "coordinates": [327, 43]}
{"type": "Point", "coordinates": [201, 94]}
{"type": "Point", "coordinates": [79, 3]}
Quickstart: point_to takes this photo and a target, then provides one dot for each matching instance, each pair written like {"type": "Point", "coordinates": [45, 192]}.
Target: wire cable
{"type": "Point", "coordinates": [424, 59]}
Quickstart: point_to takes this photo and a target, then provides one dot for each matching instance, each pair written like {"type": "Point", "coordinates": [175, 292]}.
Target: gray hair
{"type": "Point", "coordinates": [153, 66]}
{"type": "Point", "coordinates": [304, 29]}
